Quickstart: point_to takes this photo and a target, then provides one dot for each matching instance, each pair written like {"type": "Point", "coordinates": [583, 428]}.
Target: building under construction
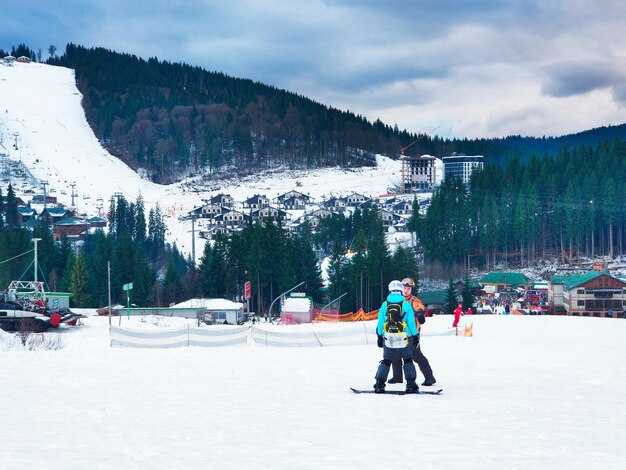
{"type": "Point", "coordinates": [420, 174]}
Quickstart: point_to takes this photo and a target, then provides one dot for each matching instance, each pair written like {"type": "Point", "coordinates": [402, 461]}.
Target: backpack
{"type": "Point", "coordinates": [394, 323]}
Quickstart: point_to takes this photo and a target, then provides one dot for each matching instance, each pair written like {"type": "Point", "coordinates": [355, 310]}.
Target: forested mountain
{"type": "Point", "coordinates": [172, 120]}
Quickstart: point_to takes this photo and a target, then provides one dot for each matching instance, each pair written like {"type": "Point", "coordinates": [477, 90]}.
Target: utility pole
{"type": "Point", "coordinates": [35, 240]}
{"type": "Point", "coordinates": [193, 218]}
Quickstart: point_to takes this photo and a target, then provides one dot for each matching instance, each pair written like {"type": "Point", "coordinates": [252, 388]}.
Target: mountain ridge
{"type": "Point", "coordinates": [173, 120]}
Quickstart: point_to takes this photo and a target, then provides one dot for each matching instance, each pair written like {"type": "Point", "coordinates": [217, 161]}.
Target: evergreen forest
{"type": "Point", "coordinates": [569, 205]}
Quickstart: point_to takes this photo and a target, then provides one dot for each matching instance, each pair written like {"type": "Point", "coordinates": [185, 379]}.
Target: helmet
{"type": "Point", "coordinates": [395, 286]}
{"type": "Point", "coordinates": [408, 281]}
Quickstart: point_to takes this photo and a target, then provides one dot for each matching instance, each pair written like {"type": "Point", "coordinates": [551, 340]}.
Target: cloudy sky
{"type": "Point", "coordinates": [469, 69]}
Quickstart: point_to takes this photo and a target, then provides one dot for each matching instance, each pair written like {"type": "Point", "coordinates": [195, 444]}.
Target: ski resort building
{"type": "Point", "coordinates": [419, 174]}
{"type": "Point", "coordinates": [461, 166]}
{"type": "Point", "coordinates": [498, 282]}
{"type": "Point", "coordinates": [256, 202]}
{"type": "Point", "coordinates": [592, 294]}
{"type": "Point", "coordinates": [297, 194]}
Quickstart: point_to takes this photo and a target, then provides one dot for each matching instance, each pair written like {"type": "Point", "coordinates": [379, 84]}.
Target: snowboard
{"type": "Point", "coordinates": [400, 392]}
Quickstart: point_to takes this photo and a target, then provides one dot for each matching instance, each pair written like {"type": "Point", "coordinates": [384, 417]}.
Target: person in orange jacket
{"type": "Point", "coordinates": [457, 316]}
{"type": "Point", "coordinates": [408, 287]}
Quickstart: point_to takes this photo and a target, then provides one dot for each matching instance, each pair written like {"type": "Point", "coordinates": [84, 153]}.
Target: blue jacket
{"type": "Point", "coordinates": [407, 314]}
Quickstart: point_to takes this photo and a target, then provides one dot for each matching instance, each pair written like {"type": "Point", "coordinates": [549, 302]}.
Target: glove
{"type": "Point", "coordinates": [421, 318]}
{"type": "Point", "coordinates": [416, 341]}
{"type": "Point", "coordinates": [380, 341]}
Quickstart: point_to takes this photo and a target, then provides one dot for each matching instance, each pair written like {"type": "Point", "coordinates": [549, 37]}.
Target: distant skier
{"type": "Point", "coordinates": [396, 331]}
{"type": "Point", "coordinates": [457, 315]}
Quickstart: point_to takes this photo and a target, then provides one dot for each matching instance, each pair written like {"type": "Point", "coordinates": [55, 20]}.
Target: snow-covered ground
{"type": "Point", "coordinates": [523, 392]}
{"type": "Point", "coordinates": [40, 109]}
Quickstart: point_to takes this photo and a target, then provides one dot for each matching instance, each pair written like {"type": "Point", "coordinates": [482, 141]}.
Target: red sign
{"type": "Point", "coordinates": [248, 290]}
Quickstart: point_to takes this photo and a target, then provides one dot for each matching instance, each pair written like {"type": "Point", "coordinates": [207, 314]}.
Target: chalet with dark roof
{"type": "Point", "coordinates": [74, 228]}
{"type": "Point", "coordinates": [321, 213]}
{"type": "Point", "coordinates": [215, 230]}
{"type": "Point", "coordinates": [267, 212]}
{"type": "Point", "coordinates": [402, 208]}
{"type": "Point", "coordinates": [294, 193]}
{"type": "Point", "coordinates": [389, 218]}
{"type": "Point", "coordinates": [334, 204]}
{"type": "Point", "coordinates": [256, 202]}
{"type": "Point", "coordinates": [299, 224]}
{"type": "Point", "coordinates": [210, 210]}
{"type": "Point", "coordinates": [25, 213]}
{"type": "Point", "coordinates": [294, 203]}
{"type": "Point", "coordinates": [369, 204]}
{"type": "Point", "coordinates": [496, 281]}
{"type": "Point", "coordinates": [52, 215]}
{"type": "Point", "coordinates": [354, 199]}
{"type": "Point", "coordinates": [97, 222]}
{"type": "Point", "coordinates": [222, 200]}
{"type": "Point", "coordinates": [230, 218]}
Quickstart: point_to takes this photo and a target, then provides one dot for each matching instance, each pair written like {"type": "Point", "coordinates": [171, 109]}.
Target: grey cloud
{"type": "Point", "coordinates": [575, 78]}
{"type": "Point", "coordinates": [372, 56]}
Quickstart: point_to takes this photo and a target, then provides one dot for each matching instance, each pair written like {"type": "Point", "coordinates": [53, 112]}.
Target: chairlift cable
{"type": "Point", "coordinates": [15, 257]}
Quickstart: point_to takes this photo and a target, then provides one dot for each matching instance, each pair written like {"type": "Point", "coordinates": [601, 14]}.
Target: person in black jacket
{"type": "Point", "coordinates": [418, 357]}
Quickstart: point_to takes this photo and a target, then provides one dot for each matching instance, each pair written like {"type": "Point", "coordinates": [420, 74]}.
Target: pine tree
{"type": "Point", "coordinates": [79, 284]}
{"type": "Point", "coordinates": [467, 297]}
{"type": "Point", "coordinates": [306, 267]}
{"type": "Point", "coordinates": [404, 264]}
{"type": "Point", "coordinates": [10, 210]}
{"type": "Point", "coordinates": [140, 222]}
{"type": "Point", "coordinates": [451, 298]}
{"type": "Point", "coordinates": [171, 284]}
{"type": "Point", "coordinates": [143, 282]}
{"type": "Point", "coordinates": [66, 279]}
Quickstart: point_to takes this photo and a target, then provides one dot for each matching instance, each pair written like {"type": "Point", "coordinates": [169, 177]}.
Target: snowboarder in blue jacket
{"type": "Point", "coordinates": [396, 330]}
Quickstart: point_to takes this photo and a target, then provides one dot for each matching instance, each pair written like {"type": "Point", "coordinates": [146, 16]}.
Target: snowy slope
{"type": "Point", "coordinates": [524, 393]}
{"type": "Point", "coordinates": [42, 105]}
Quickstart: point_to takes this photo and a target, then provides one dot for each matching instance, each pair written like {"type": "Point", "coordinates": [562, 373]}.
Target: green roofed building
{"type": "Point", "coordinates": [433, 300]}
{"type": "Point", "coordinates": [496, 282]}
{"type": "Point", "coordinates": [591, 294]}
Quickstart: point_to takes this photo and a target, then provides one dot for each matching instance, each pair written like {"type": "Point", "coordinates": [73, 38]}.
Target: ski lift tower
{"type": "Point", "coordinates": [99, 206]}
{"type": "Point", "coordinates": [28, 289]}
{"type": "Point", "coordinates": [193, 217]}
{"type": "Point", "coordinates": [44, 184]}
{"type": "Point", "coordinates": [74, 193]}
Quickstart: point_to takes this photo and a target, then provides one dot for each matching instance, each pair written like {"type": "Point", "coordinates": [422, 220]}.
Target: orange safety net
{"type": "Point", "coordinates": [361, 315]}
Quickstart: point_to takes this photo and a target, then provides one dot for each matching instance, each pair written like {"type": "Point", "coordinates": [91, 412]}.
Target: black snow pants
{"type": "Point", "coordinates": [403, 354]}
{"type": "Point", "coordinates": [419, 359]}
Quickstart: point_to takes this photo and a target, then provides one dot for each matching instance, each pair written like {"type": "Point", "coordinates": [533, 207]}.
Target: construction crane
{"type": "Point", "coordinates": [402, 149]}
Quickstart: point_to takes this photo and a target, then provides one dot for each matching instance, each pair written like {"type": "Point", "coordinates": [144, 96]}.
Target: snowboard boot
{"type": "Point", "coordinates": [428, 382]}
{"type": "Point", "coordinates": [379, 387]}
{"type": "Point", "coordinates": [411, 387]}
